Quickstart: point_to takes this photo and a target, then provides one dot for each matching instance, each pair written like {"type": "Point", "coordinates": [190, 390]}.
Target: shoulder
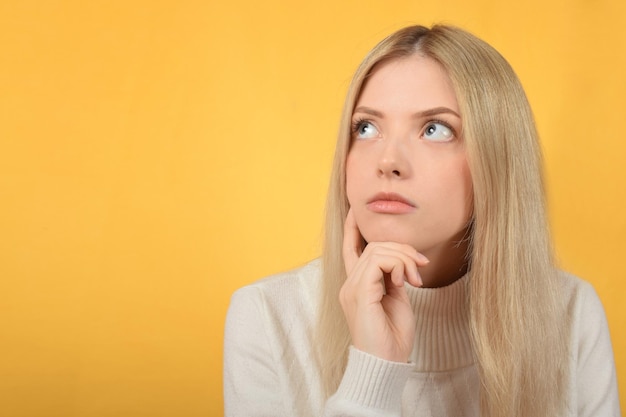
{"type": "Point", "coordinates": [280, 295]}
{"type": "Point", "coordinates": [580, 297]}
{"type": "Point", "coordinates": [273, 317]}
{"type": "Point", "coordinates": [268, 344]}
{"type": "Point", "coordinates": [589, 330]}
{"type": "Point", "coordinates": [301, 282]}
{"type": "Point", "coordinates": [592, 367]}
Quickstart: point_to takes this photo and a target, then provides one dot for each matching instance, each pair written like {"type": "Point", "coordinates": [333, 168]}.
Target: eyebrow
{"type": "Point", "coordinates": [424, 113]}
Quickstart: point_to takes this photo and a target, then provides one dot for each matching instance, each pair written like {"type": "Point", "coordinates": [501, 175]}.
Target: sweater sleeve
{"type": "Point", "coordinates": [597, 393]}
{"type": "Point", "coordinates": [371, 387]}
{"type": "Point", "coordinates": [251, 386]}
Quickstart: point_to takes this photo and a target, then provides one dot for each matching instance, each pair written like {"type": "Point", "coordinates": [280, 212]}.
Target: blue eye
{"type": "Point", "coordinates": [364, 130]}
{"type": "Point", "coordinates": [438, 132]}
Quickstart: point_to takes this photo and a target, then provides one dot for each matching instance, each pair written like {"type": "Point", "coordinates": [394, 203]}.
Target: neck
{"type": "Point", "coordinates": [448, 263]}
{"type": "Point", "coordinates": [442, 333]}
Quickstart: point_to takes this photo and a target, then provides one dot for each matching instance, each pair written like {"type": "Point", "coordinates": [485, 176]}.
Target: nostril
{"type": "Point", "coordinates": [396, 172]}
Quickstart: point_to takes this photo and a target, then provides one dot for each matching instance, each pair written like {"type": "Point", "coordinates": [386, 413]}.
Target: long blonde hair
{"type": "Point", "coordinates": [513, 292]}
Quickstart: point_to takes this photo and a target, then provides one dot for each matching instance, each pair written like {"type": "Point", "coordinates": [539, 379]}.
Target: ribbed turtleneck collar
{"type": "Point", "coordinates": [442, 337]}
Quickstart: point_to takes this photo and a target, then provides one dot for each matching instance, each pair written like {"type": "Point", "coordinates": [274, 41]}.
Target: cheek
{"type": "Point", "coordinates": [467, 186]}
{"type": "Point", "coordinates": [352, 177]}
{"type": "Point", "coordinates": [451, 188]}
{"type": "Point", "coordinates": [465, 190]}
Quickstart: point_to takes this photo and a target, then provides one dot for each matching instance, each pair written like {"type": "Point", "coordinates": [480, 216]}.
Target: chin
{"type": "Point", "coordinates": [389, 236]}
{"type": "Point", "coordinates": [411, 238]}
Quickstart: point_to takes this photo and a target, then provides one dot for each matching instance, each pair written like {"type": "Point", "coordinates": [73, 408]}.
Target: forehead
{"type": "Point", "coordinates": [412, 83]}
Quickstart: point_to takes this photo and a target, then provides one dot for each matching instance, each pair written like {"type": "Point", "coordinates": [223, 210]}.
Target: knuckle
{"type": "Point", "coordinates": [344, 293]}
{"type": "Point", "coordinates": [342, 297]}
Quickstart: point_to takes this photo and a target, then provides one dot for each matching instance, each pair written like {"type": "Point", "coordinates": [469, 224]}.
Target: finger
{"type": "Point", "coordinates": [398, 275]}
{"type": "Point", "coordinates": [408, 250]}
{"type": "Point", "coordinates": [408, 270]}
{"type": "Point", "coordinates": [352, 242]}
{"type": "Point", "coordinates": [412, 275]}
{"type": "Point", "coordinates": [396, 266]}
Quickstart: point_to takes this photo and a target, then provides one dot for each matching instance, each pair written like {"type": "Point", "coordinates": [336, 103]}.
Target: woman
{"type": "Point", "coordinates": [436, 294]}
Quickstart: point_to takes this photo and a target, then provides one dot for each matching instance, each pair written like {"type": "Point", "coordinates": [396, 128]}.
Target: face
{"type": "Point", "coordinates": [407, 175]}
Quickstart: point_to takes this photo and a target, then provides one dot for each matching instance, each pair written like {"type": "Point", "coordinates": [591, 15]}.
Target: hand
{"type": "Point", "coordinates": [373, 298]}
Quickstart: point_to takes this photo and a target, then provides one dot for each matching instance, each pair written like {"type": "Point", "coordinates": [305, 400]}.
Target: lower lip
{"type": "Point", "coordinates": [390, 207]}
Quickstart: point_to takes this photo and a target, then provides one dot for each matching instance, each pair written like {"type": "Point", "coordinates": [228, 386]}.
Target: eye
{"type": "Point", "coordinates": [438, 132]}
{"type": "Point", "coordinates": [364, 129]}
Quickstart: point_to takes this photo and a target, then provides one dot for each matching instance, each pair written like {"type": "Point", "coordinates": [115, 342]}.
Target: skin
{"type": "Point", "coordinates": [407, 146]}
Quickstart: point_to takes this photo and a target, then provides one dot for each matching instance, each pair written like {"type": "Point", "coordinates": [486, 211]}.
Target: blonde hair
{"type": "Point", "coordinates": [513, 291]}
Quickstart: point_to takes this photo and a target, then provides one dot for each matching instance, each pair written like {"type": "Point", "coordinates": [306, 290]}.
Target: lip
{"type": "Point", "coordinates": [390, 203]}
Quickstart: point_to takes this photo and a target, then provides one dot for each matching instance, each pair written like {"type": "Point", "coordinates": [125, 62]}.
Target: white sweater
{"type": "Point", "coordinates": [269, 370]}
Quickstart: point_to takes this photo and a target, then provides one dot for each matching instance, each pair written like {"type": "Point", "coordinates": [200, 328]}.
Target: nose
{"type": "Point", "coordinates": [393, 161]}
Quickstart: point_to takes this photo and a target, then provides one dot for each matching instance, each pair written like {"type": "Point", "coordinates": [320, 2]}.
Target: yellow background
{"type": "Point", "coordinates": [157, 155]}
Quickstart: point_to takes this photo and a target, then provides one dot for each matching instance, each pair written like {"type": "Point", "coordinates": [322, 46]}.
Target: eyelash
{"type": "Point", "coordinates": [441, 122]}
{"type": "Point", "coordinates": [356, 125]}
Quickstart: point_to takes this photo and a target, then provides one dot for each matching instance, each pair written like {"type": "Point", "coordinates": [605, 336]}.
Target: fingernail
{"type": "Point", "coordinates": [419, 279]}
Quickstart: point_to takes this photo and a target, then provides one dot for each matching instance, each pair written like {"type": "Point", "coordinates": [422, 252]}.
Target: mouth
{"type": "Point", "coordinates": [390, 203]}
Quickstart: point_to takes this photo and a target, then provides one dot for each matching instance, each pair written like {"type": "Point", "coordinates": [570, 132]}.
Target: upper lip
{"type": "Point", "coordinates": [384, 196]}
